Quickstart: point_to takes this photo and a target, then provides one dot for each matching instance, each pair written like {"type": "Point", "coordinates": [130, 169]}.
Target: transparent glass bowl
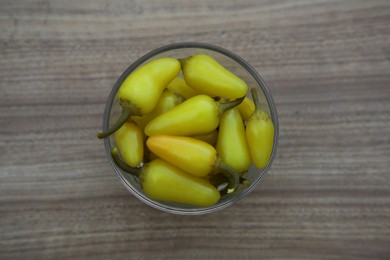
{"type": "Point", "coordinates": [233, 63]}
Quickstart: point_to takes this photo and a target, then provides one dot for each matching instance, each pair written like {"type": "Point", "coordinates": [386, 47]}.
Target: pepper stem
{"type": "Point", "coordinates": [230, 104]}
{"type": "Point", "coordinates": [126, 112]}
{"type": "Point", "coordinates": [220, 180]}
{"type": "Point", "coordinates": [123, 166]}
{"type": "Point", "coordinates": [244, 182]}
{"type": "Point", "coordinates": [255, 98]}
{"type": "Point", "coordinates": [231, 175]}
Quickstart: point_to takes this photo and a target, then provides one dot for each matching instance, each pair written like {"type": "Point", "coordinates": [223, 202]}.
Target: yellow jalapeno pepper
{"type": "Point", "coordinates": [178, 85]}
{"type": "Point", "coordinates": [191, 155]}
{"type": "Point", "coordinates": [165, 182]}
{"type": "Point", "coordinates": [129, 139]}
{"type": "Point", "coordinates": [197, 115]}
{"type": "Point", "coordinates": [167, 101]}
{"type": "Point", "coordinates": [259, 134]}
{"type": "Point", "coordinates": [141, 90]}
{"type": "Point", "coordinates": [207, 76]}
{"type": "Point", "coordinates": [232, 146]}
{"type": "Point", "coordinates": [246, 108]}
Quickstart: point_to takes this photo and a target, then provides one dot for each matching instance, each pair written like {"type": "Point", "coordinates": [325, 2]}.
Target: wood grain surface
{"type": "Point", "coordinates": [327, 64]}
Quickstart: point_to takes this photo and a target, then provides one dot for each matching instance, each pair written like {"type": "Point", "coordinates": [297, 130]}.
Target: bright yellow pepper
{"type": "Point", "coordinates": [167, 101]}
{"type": "Point", "coordinates": [191, 155]}
{"type": "Point", "coordinates": [195, 116]}
{"type": "Point", "coordinates": [246, 108]}
{"type": "Point", "coordinates": [165, 182]}
{"type": "Point", "coordinates": [178, 85]}
{"type": "Point", "coordinates": [129, 139]}
{"type": "Point", "coordinates": [260, 134]}
{"type": "Point", "coordinates": [141, 90]}
{"type": "Point", "coordinates": [205, 75]}
{"type": "Point", "coordinates": [232, 146]}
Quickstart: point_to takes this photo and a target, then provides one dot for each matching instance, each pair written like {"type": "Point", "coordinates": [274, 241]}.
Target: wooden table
{"type": "Point", "coordinates": [327, 64]}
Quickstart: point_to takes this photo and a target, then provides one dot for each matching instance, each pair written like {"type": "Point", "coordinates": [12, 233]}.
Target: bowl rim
{"type": "Point", "coordinates": [190, 45]}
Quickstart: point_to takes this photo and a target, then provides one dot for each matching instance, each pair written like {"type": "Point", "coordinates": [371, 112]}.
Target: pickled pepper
{"type": "Point", "coordinates": [165, 182]}
{"type": "Point", "coordinates": [197, 115]}
{"type": "Point", "coordinates": [207, 76]}
{"type": "Point", "coordinates": [141, 90]}
{"type": "Point", "coordinates": [259, 134]}
{"type": "Point", "coordinates": [191, 155]}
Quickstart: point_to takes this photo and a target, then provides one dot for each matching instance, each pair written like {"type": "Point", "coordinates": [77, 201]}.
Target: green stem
{"type": "Point", "coordinates": [231, 175]}
{"type": "Point", "coordinates": [230, 104]}
{"type": "Point", "coordinates": [123, 166]}
{"type": "Point", "coordinates": [255, 98]}
{"type": "Point", "coordinates": [244, 182]}
{"type": "Point", "coordinates": [126, 113]}
{"type": "Point", "coordinates": [218, 179]}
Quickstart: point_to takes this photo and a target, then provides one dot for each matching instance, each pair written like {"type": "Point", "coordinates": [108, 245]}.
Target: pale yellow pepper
{"type": "Point", "coordinates": [167, 101]}
{"type": "Point", "coordinates": [141, 90]}
{"type": "Point", "coordinates": [246, 108]}
{"type": "Point", "coordinates": [162, 181]}
{"type": "Point", "coordinates": [206, 75]}
{"type": "Point", "coordinates": [260, 134]}
{"type": "Point", "coordinates": [191, 155]}
{"type": "Point", "coordinates": [178, 85]}
{"type": "Point", "coordinates": [232, 146]}
{"type": "Point", "coordinates": [195, 116]}
{"type": "Point", "coordinates": [129, 139]}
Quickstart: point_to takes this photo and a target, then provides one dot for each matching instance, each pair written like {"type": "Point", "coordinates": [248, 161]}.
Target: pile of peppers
{"type": "Point", "coordinates": [187, 130]}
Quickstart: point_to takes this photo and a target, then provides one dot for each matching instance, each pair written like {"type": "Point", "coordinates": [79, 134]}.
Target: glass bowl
{"type": "Point", "coordinates": [233, 63]}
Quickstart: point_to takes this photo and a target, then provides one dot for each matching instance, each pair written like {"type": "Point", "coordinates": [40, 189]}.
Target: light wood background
{"type": "Point", "coordinates": [327, 64]}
